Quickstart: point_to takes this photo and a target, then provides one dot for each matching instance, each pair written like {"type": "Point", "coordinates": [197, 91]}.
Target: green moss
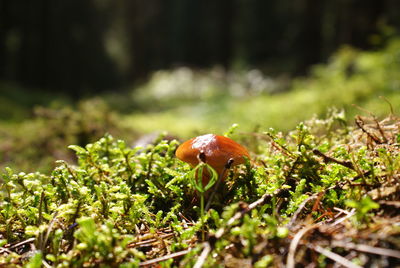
{"type": "Point", "coordinates": [120, 205]}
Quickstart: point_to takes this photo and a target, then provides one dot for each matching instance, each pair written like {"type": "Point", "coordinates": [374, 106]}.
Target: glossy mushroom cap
{"type": "Point", "coordinates": [217, 151]}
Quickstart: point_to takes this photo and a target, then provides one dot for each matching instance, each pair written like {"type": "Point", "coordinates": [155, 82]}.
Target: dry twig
{"type": "Point", "coordinates": [333, 256]}
{"type": "Point", "coordinates": [368, 249]}
{"type": "Point", "coordinates": [164, 258]}
{"type": "Point", "coordinates": [298, 211]}
{"type": "Point", "coordinates": [203, 255]}
{"type": "Point", "coordinates": [27, 241]}
{"type": "Point", "coordinates": [290, 263]}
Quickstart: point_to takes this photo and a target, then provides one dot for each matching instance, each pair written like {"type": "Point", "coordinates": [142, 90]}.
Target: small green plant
{"type": "Point", "coordinates": [363, 207]}
{"type": "Point", "coordinates": [196, 179]}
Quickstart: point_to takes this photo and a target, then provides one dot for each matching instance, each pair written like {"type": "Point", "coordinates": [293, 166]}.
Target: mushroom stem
{"type": "Point", "coordinates": [220, 178]}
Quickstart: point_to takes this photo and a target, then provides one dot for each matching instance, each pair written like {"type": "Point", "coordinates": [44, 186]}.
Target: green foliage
{"type": "Point", "coordinates": [35, 261]}
{"type": "Point", "coordinates": [362, 207]}
{"type": "Point", "coordinates": [186, 102]}
{"type": "Point", "coordinates": [33, 145]}
{"type": "Point", "coordinates": [107, 195]}
{"type": "Point", "coordinates": [124, 206]}
{"type": "Point", "coordinates": [108, 204]}
{"type": "Point", "coordinates": [190, 102]}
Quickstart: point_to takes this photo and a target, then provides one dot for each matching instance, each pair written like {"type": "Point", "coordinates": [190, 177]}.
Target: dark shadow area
{"type": "Point", "coordinates": [82, 48]}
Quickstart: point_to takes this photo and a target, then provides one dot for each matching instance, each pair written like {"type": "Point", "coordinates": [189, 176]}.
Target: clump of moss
{"type": "Point", "coordinates": [325, 192]}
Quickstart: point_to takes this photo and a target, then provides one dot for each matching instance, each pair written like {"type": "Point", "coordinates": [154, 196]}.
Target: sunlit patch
{"type": "Point", "coordinates": [201, 143]}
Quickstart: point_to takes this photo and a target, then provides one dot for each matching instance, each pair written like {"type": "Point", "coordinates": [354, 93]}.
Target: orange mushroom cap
{"type": "Point", "coordinates": [217, 150]}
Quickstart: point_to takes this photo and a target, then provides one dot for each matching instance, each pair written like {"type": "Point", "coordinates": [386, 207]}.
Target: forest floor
{"type": "Point", "coordinates": [325, 194]}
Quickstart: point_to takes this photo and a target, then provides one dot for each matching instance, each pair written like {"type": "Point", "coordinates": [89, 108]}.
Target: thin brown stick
{"type": "Point", "coordinates": [184, 218]}
{"type": "Point", "coordinates": [203, 255]}
{"type": "Point", "coordinates": [49, 228]}
{"type": "Point", "coordinates": [369, 249]}
{"type": "Point", "coordinates": [149, 241]}
{"type": "Point", "coordinates": [360, 124]}
{"type": "Point", "coordinates": [381, 131]}
{"type": "Point", "coordinates": [388, 102]}
{"type": "Point", "coordinates": [348, 215]}
{"type": "Point", "coordinates": [291, 262]}
{"type": "Point", "coordinates": [298, 211]}
{"type": "Point", "coordinates": [40, 217]}
{"type": "Point", "coordinates": [390, 203]}
{"type": "Point", "coordinates": [328, 159]}
{"type": "Point", "coordinates": [364, 110]}
{"type": "Point", "coordinates": [314, 196]}
{"type": "Point", "coordinates": [45, 264]}
{"type": "Point", "coordinates": [166, 257]}
{"type": "Point", "coordinates": [27, 241]}
{"type": "Point", "coordinates": [2, 250]}
{"type": "Point", "coordinates": [279, 147]}
{"type": "Point", "coordinates": [333, 256]}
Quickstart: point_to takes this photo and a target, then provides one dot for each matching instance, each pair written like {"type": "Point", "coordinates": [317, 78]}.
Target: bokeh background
{"type": "Point", "coordinates": [71, 71]}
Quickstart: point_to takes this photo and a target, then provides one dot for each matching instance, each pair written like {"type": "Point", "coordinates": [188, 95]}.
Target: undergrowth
{"type": "Point", "coordinates": [36, 128]}
{"type": "Point", "coordinates": [32, 145]}
{"type": "Point", "coordinates": [324, 193]}
{"type": "Point", "coordinates": [189, 101]}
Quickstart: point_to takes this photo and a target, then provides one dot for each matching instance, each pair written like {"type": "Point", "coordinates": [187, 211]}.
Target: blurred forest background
{"type": "Point", "coordinates": [86, 47]}
{"type": "Point", "coordinates": [72, 70]}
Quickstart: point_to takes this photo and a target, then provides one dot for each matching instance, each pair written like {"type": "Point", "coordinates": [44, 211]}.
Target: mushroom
{"type": "Point", "coordinates": [217, 151]}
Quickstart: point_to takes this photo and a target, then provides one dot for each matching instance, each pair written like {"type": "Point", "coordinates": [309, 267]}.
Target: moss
{"type": "Point", "coordinates": [120, 205]}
